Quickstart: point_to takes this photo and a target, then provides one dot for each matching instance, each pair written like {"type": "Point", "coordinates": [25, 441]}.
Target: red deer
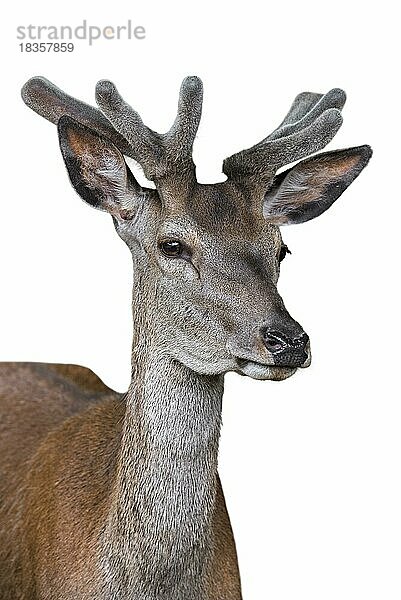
{"type": "Point", "coordinates": [117, 496]}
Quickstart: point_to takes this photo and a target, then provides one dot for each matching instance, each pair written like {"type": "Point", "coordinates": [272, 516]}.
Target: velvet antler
{"type": "Point", "coordinates": [48, 101]}
{"type": "Point", "coordinates": [311, 123]}
{"type": "Point", "coordinates": [158, 154]}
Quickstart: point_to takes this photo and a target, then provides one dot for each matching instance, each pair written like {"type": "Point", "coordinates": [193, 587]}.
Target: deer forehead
{"type": "Point", "coordinates": [217, 210]}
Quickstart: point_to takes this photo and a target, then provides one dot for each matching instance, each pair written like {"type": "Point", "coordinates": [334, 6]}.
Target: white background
{"type": "Point", "coordinates": [310, 466]}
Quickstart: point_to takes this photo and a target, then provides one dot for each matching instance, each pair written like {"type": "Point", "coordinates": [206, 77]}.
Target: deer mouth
{"type": "Point", "coordinates": [271, 354]}
{"type": "Point", "coordinates": [262, 371]}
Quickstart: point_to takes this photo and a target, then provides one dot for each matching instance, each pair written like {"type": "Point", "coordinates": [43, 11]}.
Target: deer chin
{"type": "Point", "coordinates": [261, 371]}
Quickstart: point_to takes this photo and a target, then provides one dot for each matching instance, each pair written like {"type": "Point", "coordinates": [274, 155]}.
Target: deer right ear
{"type": "Point", "coordinates": [97, 169]}
{"type": "Point", "coordinates": [308, 189]}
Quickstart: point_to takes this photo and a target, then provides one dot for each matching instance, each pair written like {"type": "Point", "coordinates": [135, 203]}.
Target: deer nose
{"type": "Point", "coordinates": [285, 350]}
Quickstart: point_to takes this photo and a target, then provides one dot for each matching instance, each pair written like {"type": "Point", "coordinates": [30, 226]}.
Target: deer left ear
{"type": "Point", "coordinates": [97, 169]}
{"type": "Point", "coordinates": [306, 190]}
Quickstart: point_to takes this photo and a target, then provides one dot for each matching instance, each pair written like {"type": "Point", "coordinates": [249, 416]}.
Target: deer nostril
{"type": "Point", "coordinates": [276, 342]}
{"type": "Point", "coordinates": [273, 342]}
{"type": "Point", "coordinates": [285, 350]}
{"type": "Point", "coordinates": [301, 342]}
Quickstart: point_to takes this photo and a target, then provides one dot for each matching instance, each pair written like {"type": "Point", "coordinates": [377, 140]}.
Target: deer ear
{"type": "Point", "coordinates": [306, 190]}
{"type": "Point", "coordinates": [97, 169]}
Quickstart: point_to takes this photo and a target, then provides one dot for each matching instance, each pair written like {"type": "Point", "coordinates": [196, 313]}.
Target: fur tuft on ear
{"type": "Point", "coordinates": [97, 169]}
{"type": "Point", "coordinates": [306, 190]}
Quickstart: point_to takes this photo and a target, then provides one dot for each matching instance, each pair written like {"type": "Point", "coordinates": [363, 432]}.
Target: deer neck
{"type": "Point", "coordinates": [159, 534]}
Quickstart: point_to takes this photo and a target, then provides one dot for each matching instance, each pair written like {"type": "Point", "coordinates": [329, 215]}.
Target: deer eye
{"type": "Point", "coordinates": [284, 250]}
{"type": "Point", "coordinates": [171, 248]}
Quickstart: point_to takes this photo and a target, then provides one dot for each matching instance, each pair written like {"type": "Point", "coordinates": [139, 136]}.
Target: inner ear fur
{"type": "Point", "coordinates": [96, 168]}
{"type": "Point", "coordinates": [306, 190]}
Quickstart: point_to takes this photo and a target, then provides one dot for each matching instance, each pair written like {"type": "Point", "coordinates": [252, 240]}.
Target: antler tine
{"type": "Point", "coordinates": [308, 107]}
{"type": "Point", "coordinates": [301, 105]}
{"type": "Point", "coordinates": [143, 141]}
{"type": "Point", "coordinates": [311, 123]}
{"type": "Point", "coordinates": [158, 154]}
{"type": "Point", "coordinates": [46, 99]}
{"type": "Point", "coordinates": [183, 131]}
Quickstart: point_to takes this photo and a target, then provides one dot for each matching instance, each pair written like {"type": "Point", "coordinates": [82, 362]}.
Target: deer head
{"type": "Point", "coordinates": [207, 257]}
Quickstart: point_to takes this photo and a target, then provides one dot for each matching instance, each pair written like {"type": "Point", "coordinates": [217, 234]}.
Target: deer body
{"type": "Point", "coordinates": [112, 496]}
{"type": "Point", "coordinates": [74, 476]}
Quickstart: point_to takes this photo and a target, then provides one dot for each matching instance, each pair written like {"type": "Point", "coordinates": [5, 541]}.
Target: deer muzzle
{"type": "Point", "coordinates": [286, 350]}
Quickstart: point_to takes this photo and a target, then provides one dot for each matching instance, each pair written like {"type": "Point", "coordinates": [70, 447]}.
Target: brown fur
{"type": "Point", "coordinates": [59, 441]}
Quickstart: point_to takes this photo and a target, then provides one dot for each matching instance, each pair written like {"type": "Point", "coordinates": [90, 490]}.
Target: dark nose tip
{"type": "Point", "coordinates": [286, 351]}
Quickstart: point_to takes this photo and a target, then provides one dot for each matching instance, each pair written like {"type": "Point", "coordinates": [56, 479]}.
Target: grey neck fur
{"type": "Point", "coordinates": [158, 539]}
